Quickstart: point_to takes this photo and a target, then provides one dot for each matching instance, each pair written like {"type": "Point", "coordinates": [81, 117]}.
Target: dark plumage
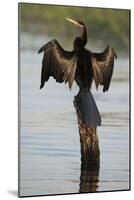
{"type": "Point", "coordinates": [83, 66]}
{"type": "Point", "coordinates": [80, 64]}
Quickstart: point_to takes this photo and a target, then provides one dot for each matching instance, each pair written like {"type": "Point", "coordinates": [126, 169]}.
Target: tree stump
{"type": "Point", "coordinates": [90, 155]}
{"type": "Point", "coordinates": [89, 142]}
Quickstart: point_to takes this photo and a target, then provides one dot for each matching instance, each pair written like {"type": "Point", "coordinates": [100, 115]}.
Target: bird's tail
{"type": "Point", "coordinates": [86, 109]}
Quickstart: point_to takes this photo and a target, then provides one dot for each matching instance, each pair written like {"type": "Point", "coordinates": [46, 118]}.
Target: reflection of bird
{"type": "Point", "coordinates": [80, 65]}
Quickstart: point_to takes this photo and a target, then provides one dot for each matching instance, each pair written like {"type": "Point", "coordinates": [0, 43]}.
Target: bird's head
{"type": "Point", "coordinates": [83, 38]}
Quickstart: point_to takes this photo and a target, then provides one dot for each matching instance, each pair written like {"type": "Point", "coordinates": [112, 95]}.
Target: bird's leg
{"type": "Point", "coordinates": [90, 153]}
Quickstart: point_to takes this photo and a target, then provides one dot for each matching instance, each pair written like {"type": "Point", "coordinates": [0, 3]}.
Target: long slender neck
{"type": "Point", "coordinates": [80, 41]}
{"type": "Point", "coordinates": [83, 36]}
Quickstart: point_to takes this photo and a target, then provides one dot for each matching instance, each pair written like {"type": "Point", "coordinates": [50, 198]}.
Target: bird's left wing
{"type": "Point", "coordinates": [103, 65]}
{"type": "Point", "coordinates": [58, 63]}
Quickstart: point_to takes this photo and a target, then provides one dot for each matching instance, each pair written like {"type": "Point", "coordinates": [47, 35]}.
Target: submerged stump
{"type": "Point", "coordinates": [89, 142]}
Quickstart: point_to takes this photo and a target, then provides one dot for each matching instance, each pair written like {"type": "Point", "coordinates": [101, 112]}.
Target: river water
{"type": "Point", "coordinates": [49, 138]}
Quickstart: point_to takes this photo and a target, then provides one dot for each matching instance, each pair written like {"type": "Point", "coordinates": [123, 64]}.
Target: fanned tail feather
{"type": "Point", "coordinates": [87, 109]}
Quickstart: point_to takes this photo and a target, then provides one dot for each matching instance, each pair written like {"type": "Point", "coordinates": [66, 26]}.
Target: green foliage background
{"type": "Point", "coordinates": [107, 25]}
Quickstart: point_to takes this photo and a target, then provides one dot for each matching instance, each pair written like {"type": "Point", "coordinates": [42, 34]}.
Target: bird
{"type": "Point", "coordinates": [82, 66]}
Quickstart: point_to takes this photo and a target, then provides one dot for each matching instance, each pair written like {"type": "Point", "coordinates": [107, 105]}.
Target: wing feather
{"type": "Point", "coordinates": [58, 63]}
{"type": "Point", "coordinates": [103, 65]}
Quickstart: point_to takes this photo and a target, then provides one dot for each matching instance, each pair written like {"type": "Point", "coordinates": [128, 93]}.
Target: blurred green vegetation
{"type": "Point", "coordinates": [108, 25]}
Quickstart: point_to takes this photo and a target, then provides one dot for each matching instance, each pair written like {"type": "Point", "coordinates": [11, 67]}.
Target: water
{"type": "Point", "coordinates": [49, 139]}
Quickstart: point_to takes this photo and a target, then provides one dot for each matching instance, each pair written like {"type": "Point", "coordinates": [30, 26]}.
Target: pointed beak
{"type": "Point", "coordinates": [73, 21]}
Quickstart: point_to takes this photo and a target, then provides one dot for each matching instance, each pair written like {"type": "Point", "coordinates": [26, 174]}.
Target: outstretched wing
{"type": "Point", "coordinates": [58, 63]}
{"type": "Point", "coordinates": [103, 65]}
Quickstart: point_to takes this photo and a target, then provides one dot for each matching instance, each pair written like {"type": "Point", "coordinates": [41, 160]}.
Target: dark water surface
{"type": "Point", "coordinates": [49, 139]}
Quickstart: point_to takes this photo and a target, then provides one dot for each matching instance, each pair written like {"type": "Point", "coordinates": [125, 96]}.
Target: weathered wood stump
{"type": "Point", "coordinates": [90, 153]}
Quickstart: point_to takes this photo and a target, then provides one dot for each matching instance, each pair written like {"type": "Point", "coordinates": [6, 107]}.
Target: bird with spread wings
{"type": "Point", "coordinates": [82, 66]}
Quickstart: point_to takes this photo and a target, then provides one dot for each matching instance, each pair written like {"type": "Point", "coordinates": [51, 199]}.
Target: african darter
{"type": "Point", "coordinates": [82, 66]}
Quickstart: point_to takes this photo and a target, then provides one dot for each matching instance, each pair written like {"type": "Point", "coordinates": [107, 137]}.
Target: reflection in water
{"type": "Point", "coordinates": [89, 178]}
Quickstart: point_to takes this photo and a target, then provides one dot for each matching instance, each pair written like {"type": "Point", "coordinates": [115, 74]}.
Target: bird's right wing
{"type": "Point", "coordinates": [58, 63]}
